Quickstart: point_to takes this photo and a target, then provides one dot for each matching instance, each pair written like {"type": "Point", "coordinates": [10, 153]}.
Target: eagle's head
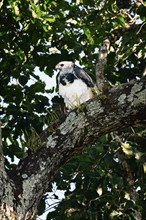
{"type": "Point", "coordinates": [65, 67]}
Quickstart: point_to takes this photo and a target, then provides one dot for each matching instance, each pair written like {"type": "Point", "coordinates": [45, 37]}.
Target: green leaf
{"type": "Point", "coordinates": [23, 80]}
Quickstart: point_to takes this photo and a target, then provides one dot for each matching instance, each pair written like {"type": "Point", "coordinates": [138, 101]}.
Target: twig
{"type": "Point", "coordinates": [140, 28]}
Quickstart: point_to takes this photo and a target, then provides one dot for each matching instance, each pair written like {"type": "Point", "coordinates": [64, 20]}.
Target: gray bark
{"type": "Point", "coordinates": [22, 188]}
{"type": "Point", "coordinates": [101, 82]}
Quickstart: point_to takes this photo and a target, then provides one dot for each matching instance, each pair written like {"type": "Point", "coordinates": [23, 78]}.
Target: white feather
{"type": "Point", "coordinates": [75, 93]}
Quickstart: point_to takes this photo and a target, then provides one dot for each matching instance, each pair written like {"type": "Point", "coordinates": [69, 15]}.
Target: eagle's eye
{"type": "Point", "coordinates": [62, 64]}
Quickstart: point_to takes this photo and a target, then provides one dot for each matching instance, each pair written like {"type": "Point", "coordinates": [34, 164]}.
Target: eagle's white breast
{"type": "Point", "coordinates": [75, 93]}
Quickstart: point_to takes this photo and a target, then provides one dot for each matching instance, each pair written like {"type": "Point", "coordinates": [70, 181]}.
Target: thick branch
{"type": "Point", "coordinates": [100, 67]}
{"type": "Point", "coordinates": [1, 150]}
{"type": "Point", "coordinates": [123, 106]}
{"type": "Point", "coordinates": [6, 189]}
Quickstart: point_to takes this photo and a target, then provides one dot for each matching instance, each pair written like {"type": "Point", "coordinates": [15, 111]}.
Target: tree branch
{"type": "Point", "coordinates": [6, 190]}
{"type": "Point", "coordinates": [117, 33]}
{"type": "Point", "coordinates": [1, 150]}
{"type": "Point", "coordinates": [100, 67]}
{"type": "Point", "coordinates": [122, 107]}
{"type": "Point", "coordinates": [128, 173]}
{"type": "Point", "coordinates": [130, 181]}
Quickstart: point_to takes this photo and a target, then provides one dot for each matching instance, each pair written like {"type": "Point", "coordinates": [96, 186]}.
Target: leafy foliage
{"type": "Point", "coordinates": [40, 33]}
{"type": "Point", "coordinates": [102, 178]}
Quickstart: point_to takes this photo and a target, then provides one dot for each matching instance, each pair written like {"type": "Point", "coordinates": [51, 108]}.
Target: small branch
{"type": "Point", "coordinates": [100, 67]}
{"type": "Point", "coordinates": [128, 173]}
{"type": "Point", "coordinates": [130, 181]}
{"type": "Point", "coordinates": [119, 32]}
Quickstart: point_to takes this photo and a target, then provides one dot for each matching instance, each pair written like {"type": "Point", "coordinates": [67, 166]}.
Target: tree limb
{"type": "Point", "coordinates": [123, 106]}
{"type": "Point", "coordinates": [6, 190]}
{"type": "Point", "coordinates": [100, 67]}
{"type": "Point", "coordinates": [1, 150]}
{"type": "Point", "coordinates": [117, 33]}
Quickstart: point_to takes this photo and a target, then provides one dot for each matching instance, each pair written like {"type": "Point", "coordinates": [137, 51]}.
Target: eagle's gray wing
{"type": "Point", "coordinates": [81, 74]}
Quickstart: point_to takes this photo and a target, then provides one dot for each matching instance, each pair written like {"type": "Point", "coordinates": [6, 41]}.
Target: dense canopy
{"type": "Point", "coordinates": [109, 176]}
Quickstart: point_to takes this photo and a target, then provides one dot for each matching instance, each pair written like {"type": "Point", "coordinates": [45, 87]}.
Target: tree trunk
{"type": "Point", "coordinates": [22, 188]}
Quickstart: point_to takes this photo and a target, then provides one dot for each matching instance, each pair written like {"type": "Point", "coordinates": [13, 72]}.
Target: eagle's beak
{"type": "Point", "coordinates": [58, 67]}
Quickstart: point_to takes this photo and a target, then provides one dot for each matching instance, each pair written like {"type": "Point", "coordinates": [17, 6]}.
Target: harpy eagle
{"type": "Point", "coordinates": [74, 84]}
